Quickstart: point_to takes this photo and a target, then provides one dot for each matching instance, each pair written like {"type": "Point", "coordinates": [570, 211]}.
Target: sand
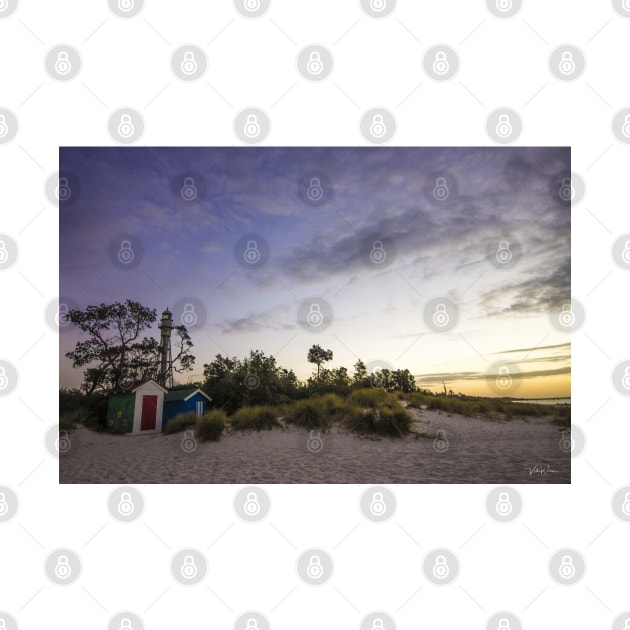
{"type": "Point", "coordinates": [467, 450]}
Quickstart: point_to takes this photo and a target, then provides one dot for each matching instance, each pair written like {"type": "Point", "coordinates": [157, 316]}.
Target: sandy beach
{"type": "Point", "coordinates": [467, 450]}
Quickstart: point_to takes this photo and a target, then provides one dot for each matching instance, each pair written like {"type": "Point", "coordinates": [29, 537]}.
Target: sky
{"type": "Point", "coordinates": [384, 241]}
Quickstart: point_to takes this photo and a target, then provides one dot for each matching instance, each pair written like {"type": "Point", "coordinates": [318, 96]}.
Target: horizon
{"type": "Point", "coordinates": [432, 257]}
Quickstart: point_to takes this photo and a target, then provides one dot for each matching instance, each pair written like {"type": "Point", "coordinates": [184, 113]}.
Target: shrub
{"type": "Point", "coordinates": [371, 397]}
{"type": "Point", "coordinates": [309, 414]}
{"type": "Point", "coordinates": [181, 422]}
{"type": "Point", "coordinates": [385, 419]}
{"type": "Point", "coordinates": [256, 417]}
{"type": "Point", "coordinates": [68, 419]}
{"type": "Point", "coordinates": [210, 426]}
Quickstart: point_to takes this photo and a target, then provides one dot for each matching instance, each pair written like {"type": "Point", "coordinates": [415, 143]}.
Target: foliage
{"type": "Point", "coordinates": [256, 417]}
{"type": "Point", "coordinates": [76, 407]}
{"type": "Point", "coordinates": [384, 419]}
{"type": "Point", "coordinates": [311, 413]}
{"type": "Point", "coordinates": [181, 422]}
{"type": "Point", "coordinates": [116, 351]}
{"type": "Point", "coordinates": [318, 355]}
{"type": "Point", "coordinates": [254, 380]}
{"type": "Point", "coordinates": [211, 425]}
{"type": "Point", "coordinates": [469, 405]}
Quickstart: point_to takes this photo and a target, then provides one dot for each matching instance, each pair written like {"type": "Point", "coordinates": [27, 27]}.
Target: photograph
{"type": "Point", "coordinates": [298, 315]}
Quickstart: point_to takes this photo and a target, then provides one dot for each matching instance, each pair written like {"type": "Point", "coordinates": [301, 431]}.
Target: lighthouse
{"type": "Point", "coordinates": [166, 360]}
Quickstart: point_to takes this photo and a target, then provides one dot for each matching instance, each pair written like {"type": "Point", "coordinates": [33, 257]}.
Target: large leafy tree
{"type": "Point", "coordinates": [318, 355]}
{"type": "Point", "coordinates": [116, 351]}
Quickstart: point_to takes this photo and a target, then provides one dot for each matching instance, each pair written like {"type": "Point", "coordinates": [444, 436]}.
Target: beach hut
{"type": "Point", "coordinates": [182, 401]}
{"type": "Point", "coordinates": [138, 409]}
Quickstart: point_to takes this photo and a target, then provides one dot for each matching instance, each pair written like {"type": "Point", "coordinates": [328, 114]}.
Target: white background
{"type": "Point", "coordinates": [252, 63]}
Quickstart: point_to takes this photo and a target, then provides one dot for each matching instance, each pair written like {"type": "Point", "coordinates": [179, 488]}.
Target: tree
{"type": "Point", "coordinates": [318, 355]}
{"type": "Point", "coordinates": [116, 351]}
{"type": "Point", "coordinates": [360, 376]}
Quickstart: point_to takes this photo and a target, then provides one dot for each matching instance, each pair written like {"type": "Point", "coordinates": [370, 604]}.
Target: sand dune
{"type": "Point", "coordinates": [478, 450]}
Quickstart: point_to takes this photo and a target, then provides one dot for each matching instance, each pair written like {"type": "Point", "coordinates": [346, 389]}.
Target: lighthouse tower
{"type": "Point", "coordinates": [166, 359]}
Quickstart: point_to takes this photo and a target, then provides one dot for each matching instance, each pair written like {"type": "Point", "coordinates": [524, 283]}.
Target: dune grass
{"type": "Point", "coordinates": [208, 427]}
{"type": "Point", "coordinates": [181, 422]}
{"type": "Point", "coordinates": [211, 425]}
{"type": "Point", "coordinates": [468, 406]}
{"type": "Point", "coordinates": [255, 417]}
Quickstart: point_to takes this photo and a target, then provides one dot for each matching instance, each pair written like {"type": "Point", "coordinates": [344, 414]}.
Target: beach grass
{"type": "Point", "coordinates": [210, 426]}
{"type": "Point", "coordinates": [181, 422]}
{"type": "Point", "coordinates": [255, 418]}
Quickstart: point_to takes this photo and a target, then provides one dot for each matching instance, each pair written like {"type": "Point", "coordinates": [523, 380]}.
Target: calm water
{"type": "Point", "coordinates": [546, 401]}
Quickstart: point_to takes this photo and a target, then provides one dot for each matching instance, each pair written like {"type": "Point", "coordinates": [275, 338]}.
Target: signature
{"type": "Point", "coordinates": [540, 469]}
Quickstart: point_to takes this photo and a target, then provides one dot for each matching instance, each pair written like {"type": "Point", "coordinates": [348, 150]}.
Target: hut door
{"type": "Point", "coordinates": [149, 413]}
{"type": "Point", "coordinates": [200, 407]}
